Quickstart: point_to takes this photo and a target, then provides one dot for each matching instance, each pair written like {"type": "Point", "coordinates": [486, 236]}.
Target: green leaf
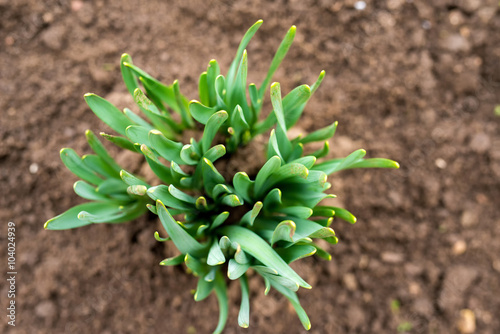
{"type": "Point", "coordinates": [203, 89]}
{"type": "Point", "coordinates": [211, 177]}
{"type": "Point", "coordinates": [110, 212]}
{"type": "Point", "coordinates": [235, 270]}
{"type": "Point", "coordinates": [184, 242]}
{"type": "Point", "coordinates": [322, 151]}
{"type": "Point", "coordinates": [138, 134]}
{"type": "Point", "coordinates": [240, 256]}
{"type": "Point", "coordinates": [127, 74]}
{"type": "Point", "coordinates": [108, 113]}
{"type": "Point", "coordinates": [162, 193]}
{"type": "Point", "coordinates": [203, 289]}
{"type": "Point", "coordinates": [285, 147]}
{"type": "Point", "coordinates": [296, 252]}
{"type": "Point", "coordinates": [241, 48]}
{"type": "Point", "coordinates": [120, 142]}
{"type": "Point", "coordinates": [74, 163]}
{"type": "Point", "coordinates": [213, 72]}
{"type": "Point", "coordinates": [288, 171]}
{"type": "Point", "coordinates": [336, 165]}
{"type": "Point", "coordinates": [138, 190]}
{"type": "Point", "coordinates": [165, 147]}
{"type": "Point", "coordinates": [215, 255]}
{"type": "Point", "coordinates": [294, 300]}
{"type": "Point", "coordinates": [173, 261]}
{"type": "Point", "coordinates": [321, 134]}
{"type": "Point", "coordinates": [200, 112]}
{"type": "Point", "coordinates": [188, 155]}
{"type": "Point", "coordinates": [182, 103]}
{"type": "Point", "coordinates": [284, 231]}
{"type": "Point", "coordinates": [375, 163]}
{"type": "Point", "coordinates": [294, 102]}
{"type": "Point", "coordinates": [244, 314]}
{"type": "Point", "coordinates": [231, 200]}
{"type": "Point", "coordinates": [308, 161]}
{"type": "Point", "coordinates": [96, 164]}
{"type": "Point", "coordinates": [137, 119]}
{"type": "Point", "coordinates": [221, 293]}
{"type": "Point", "coordinates": [101, 151]}
{"type": "Point", "coordinates": [243, 186]}
{"type": "Point", "coordinates": [272, 201]}
{"type": "Point", "coordinates": [219, 220]}
{"type": "Point", "coordinates": [323, 211]}
{"type": "Point", "coordinates": [271, 166]}
{"type": "Point", "coordinates": [278, 58]}
{"type": "Point", "coordinates": [131, 179]}
{"type": "Point", "coordinates": [161, 121]}
{"type": "Point", "coordinates": [197, 267]}
{"type": "Point", "coordinates": [162, 171]}
{"type": "Point", "coordinates": [296, 211]}
{"type": "Point", "coordinates": [112, 187]}
{"type": "Point", "coordinates": [219, 190]}
{"type": "Point", "coordinates": [344, 214]}
{"type": "Point", "coordinates": [250, 216]}
{"type": "Point", "coordinates": [254, 245]}
{"type": "Point", "coordinates": [213, 125]}
{"type": "Point", "coordinates": [180, 195]}
{"type": "Point", "coordinates": [215, 153]}
{"type": "Point", "coordinates": [85, 190]}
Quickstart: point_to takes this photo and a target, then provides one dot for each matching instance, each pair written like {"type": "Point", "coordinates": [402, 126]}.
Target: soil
{"type": "Point", "coordinates": [416, 81]}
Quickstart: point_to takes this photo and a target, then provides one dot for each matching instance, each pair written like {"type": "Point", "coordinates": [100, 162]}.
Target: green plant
{"type": "Point", "coordinates": [229, 225]}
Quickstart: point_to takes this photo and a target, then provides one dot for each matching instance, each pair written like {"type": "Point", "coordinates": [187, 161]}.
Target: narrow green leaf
{"type": "Point", "coordinates": [213, 125]}
{"type": "Point", "coordinates": [182, 103]}
{"type": "Point", "coordinates": [180, 195]}
{"type": "Point", "coordinates": [137, 119]}
{"type": "Point", "coordinates": [108, 113]}
{"type": "Point", "coordinates": [308, 161]}
{"type": "Point", "coordinates": [294, 102]}
{"type": "Point", "coordinates": [74, 163]}
{"type": "Point", "coordinates": [165, 147]}
{"type": "Point", "coordinates": [271, 166]}
{"type": "Point", "coordinates": [244, 314]}
{"type": "Point", "coordinates": [296, 252]}
{"type": "Point", "coordinates": [173, 261]}
{"type": "Point", "coordinates": [127, 74]}
{"type": "Point", "coordinates": [215, 255]}
{"type": "Point", "coordinates": [241, 48]}
{"type": "Point", "coordinates": [321, 134]}
{"type": "Point", "coordinates": [375, 163]}
{"type": "Point", "coordinates": [231, 200]}
{"type": "Point", "coordinates": [219, 220]}
{"type": "Point", "coordinates": [215, 153]}
{"type": "Point", "coordinates": [184, 242]}
{"type": "Point", "coordinates": [344, 214]}
{"type": "Point", "coordinates": [138, 134]}
{"type": "Point", "coordinates": [131, 179]}
{"type": "Point", "coordinates": [200, 112]}
{"type": "Point", "coordinates": [336, 165]}
{"type": "Point", "coordinates": [322, 151]}
{"type": "Point", "coordinates": [203, 89]}
{"type": "Point", "coordinates": [96, 145]}
{"type": "Point", "coordinates": [211, 176]}
{"type": "Point", "coordinates": [213, 72]}
{"type": "Point", "coordinates": [252, 244]}
{"type": "Point", "coordinates": [96, 164]}
{"type": "Point", "coordinates": [120, 142]}
{"type": "Point", "coordinates": [188, 155]}
{"type": "Point", "coordinates": [278, 58]}
{"type": "Point", "coordinates": [235, 270]}
{"type": "Point", "coordinates": [138, 190]}
{"type": "Point", "coordinates": [203, 289]}
{"type": "Point", "coordinates": [221, 293]}
{"type": "Point", "coordinates": [296, 211]}
{"type": "Point", "coordinates": [243, 186]}
{"type": "Point", "coordinates": [284, 231]}
{"type": "Point", "coordinates": [162, 193]}
{"type": "Point", "coordinates": [294, 300]}
{"type": "Point", "coordinates": [85, 190]}
{"type": "Point", "coordinates": [250, 216]}
{"type": "Point", "coordinates": [272, 201]}
{"type": "Point", "coordinates": [162, 171]}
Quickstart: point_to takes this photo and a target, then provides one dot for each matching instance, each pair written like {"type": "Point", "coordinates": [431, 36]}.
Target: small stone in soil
{"type": "Point", "coordinates": [467, 322]}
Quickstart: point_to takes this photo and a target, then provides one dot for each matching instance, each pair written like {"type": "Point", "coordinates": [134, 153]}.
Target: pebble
{"type": "Point", "coordinates": [392, 257]}
{"type": "Point", "coordinates": [469, 218]}
{"type": "Point", "coordinates": [480, 143]}
{"type": "Point", "coordinates": [45, 309]}
{"type": "Point", "coordinates": [53, 37]}
{"type": "Point", "coordinates": [350, 282]}
{"type": "Point", "coordinates": [467, 322]}
{"type": "Point", "coordinates": [459, 247]}
{"type": "Point", "coordinates": [456, 281]}
{"type": "Point", "coordinates": [456, 43]}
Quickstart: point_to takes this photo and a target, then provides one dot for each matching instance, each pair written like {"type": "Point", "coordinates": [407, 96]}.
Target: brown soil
{"type": "Point", "coordinates": [416, 81]}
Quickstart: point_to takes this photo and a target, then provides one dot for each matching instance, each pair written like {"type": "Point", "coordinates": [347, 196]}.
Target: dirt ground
{"type": "Point", "coordinates": [415, 81]}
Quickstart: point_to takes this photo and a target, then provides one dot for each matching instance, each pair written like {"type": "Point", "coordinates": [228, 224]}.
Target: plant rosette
{"type": "Point", "coordinates": [229, 226]}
